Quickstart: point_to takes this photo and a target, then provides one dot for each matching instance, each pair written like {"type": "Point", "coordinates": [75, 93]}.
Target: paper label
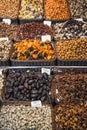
{"type": "Point", "coordinates": [4, 38]}
{"type": "Point", "coordinates": [79, 19]}
{"type": "Point", "coordinates": [48, 23]}
{"type": "Point", "coordinates": [45, 70]}
{"type": "Point", "coordinates": [8, 21]}
{"type": "Point", "coordinates": [56, 91]}
{"type": "Point", "coordinates": [46, 37]}
{"type": "Point", "coordinates": [36, 103]}
{"type": "Point", "coordinates": [0, 71]}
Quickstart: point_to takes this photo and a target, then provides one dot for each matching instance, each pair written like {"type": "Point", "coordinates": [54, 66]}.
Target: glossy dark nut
{"type": "Point", "coordinates": [34, 92]}
{"type": "Point", "coordinates": [21, 87]}
{"type": "Point", "coordinates": [34, 95]}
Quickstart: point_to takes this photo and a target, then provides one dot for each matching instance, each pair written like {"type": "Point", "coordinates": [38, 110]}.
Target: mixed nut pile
{"type": "Point", "coordinates": [5, 47]}
{"type": "Point", "coordinates": [9, 8]}
{"type": "Point", "coordinates": [78, 8]}
{"type": "Point", "coordinates": [32, 31]}
{"type": "Point", "coordinates": [27, 86]}
{"type": "Point", "coordinates": [70, 29]}
{"type": "Point", "coordinates": [23, 117]}
{"type": "Point", "coordinates": [75, 49]}
{"type": "Point", "coordinates": [32, 9]}
{"type": "Point", "coordinates": [7, 30]}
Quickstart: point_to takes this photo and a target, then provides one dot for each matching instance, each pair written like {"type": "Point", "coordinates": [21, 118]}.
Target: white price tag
{"type": "Point", "coordinates": [8, 21]}
{"type": "Point", "coordinates": [79, 19]}
{"type": "Point", "coordinates": [56, 91]}
{"type": "Point", "coordinates": [36, 103]}
{"type": "Point", "coordinates": [45, 70]}
{"type": "Point", "coordinates": [48, 23]}
{"type": "Point", "coordinates": [46, 37]}
{"type": "Point", "coordinates": [0, 71]}
{"type": "Point", "coordinates": [4, 38]}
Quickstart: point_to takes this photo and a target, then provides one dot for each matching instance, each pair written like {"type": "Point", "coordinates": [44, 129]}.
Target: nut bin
{"type": "Point", "coordinates": [9, 9]}
{"type": "Point", "coordinates": [56, 10]}
{"type": "Point", "coordinates": [72, 50]}
{"type": "Point", "coordinates": [25, 117]}
{"type": "Point", "coordinates": [31, 9]}
{"type": "Point", "coordinates": [70, 29]}
{"type": "Point", "coordinates": [7, 30]}
{"type": "Point", "coordinates": [78, 8]}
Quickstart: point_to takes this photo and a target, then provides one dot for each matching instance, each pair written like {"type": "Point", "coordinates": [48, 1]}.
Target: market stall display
{"type": "Point", "coordinates": [43, 65]}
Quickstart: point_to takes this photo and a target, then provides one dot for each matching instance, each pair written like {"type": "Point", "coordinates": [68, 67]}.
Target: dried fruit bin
{"type": "Point", "coordinates": [25, 84]}
{"type": "Point", "coordinates": [32, 53]}
{"type": "Point", "coordinates": [56, 10]}
{"type": "Point", "coordinates": [70, 116]}
{"type": "Point", "coordinates": [9, 9]}
{"type": "Point", "coordinates": [69, 85]}
{"type": "Point", "coordinates": [26, 116]}
{"type": "Point", "coordinates": [71, 52]}
{"type": "Point", "coordinates": [32, 30]}
{"type": "Point", "coordinates": [31, 10]}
